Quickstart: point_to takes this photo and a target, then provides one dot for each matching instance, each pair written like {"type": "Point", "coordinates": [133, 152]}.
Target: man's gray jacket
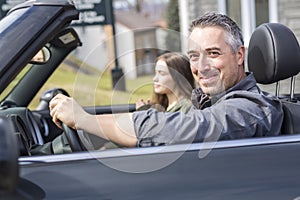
{"type": "Point", "coordinates": [243, 111]}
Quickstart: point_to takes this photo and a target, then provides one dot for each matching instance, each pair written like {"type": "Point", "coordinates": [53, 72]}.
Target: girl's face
{"type": "Point", "coordinates": [163, 81]}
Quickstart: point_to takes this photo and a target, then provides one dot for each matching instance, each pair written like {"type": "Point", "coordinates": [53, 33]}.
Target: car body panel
{"type": "Point", "coordinates": [241, 169]}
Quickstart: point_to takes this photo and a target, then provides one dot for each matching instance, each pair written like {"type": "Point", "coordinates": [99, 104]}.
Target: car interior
{"type": "Point", "coordinates": [274, 55]}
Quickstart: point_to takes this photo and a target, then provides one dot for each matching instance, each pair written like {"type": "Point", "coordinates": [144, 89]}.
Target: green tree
{"type": "Point", "coordinates": [172, 18]}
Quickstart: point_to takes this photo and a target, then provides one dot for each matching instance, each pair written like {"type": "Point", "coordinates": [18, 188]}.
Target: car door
{"type": "Point", "coordinates": [264, 168]}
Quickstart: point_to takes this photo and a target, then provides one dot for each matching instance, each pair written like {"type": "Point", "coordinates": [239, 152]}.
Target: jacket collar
{"type": "Point", "coordinates": [201, 100]}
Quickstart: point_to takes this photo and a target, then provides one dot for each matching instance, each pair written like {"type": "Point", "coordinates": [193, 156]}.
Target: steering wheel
{"type": "Point", "coordinates": [73, 139]}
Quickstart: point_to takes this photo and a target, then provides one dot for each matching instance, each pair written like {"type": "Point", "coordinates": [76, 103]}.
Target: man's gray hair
{"type": "Point", "coordinates": [235, 37]}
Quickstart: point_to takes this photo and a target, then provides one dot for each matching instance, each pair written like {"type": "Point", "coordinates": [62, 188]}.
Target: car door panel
{"type": "Point", "coordinates": [248, 172]}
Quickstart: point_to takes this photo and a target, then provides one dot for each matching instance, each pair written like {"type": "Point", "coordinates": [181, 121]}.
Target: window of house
{"type": "Point", "coordinates": [261, 11]}
{"type": "Point", "coordinates": [233, 9]}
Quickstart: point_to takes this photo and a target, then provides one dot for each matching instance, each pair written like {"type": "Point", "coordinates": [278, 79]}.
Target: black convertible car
{"type": "Point", "coordinates": [256, 168]}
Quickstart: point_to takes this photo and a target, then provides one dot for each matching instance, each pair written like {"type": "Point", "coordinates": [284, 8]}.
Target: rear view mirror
{"type": "Point", "coordinates": [41, 57]}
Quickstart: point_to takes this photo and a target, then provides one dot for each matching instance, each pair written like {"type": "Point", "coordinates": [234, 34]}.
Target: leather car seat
{"type": "Point", "coordinates": [274, 55]}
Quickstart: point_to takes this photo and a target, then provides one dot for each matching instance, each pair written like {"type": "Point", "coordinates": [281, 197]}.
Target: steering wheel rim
{"type": "Point", "coordinates": [73, 139]}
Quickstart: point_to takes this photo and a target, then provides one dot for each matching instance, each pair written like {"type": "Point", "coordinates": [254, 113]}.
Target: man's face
{"type": "Point", "coordinates": [215, 67]}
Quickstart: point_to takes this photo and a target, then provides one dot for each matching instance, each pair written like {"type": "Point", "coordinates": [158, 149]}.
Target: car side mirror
{"type": "Point", "coordinates": [42, 56]}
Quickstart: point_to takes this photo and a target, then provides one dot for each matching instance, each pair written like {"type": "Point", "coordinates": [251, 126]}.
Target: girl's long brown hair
{"type": "Point", "coordinates": [179, 68]}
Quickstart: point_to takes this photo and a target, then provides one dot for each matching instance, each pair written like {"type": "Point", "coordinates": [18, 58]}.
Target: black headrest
{"type": "Point", "coordinates": [273, 53]}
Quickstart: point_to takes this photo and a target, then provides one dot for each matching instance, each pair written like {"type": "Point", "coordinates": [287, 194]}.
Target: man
{"type": "Point", "coordinates": [228, 104]}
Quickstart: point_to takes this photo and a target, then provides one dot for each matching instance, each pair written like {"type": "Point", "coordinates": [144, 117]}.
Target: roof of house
{"type": "Point", "coordinates": [134, 20]}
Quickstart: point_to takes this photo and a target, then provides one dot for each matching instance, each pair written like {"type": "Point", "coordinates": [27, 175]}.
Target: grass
{"type": "Point", "coordinates": [95, 88]}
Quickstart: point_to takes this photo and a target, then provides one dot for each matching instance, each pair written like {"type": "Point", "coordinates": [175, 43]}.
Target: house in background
{"type": "Point", "coordinates": [136, 33]}
{"type": "Point", "coordinates": [247, 13]}
{"type": "Point", "coordinates": [139, 35]}
{"type": "Point", "coordinates": [136, 43]}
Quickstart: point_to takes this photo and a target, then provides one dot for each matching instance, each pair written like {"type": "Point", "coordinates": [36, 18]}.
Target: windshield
{"type": "Point", "coordinates": [13, 83]}
{"type": "Point", "coordinates": [9, 21]}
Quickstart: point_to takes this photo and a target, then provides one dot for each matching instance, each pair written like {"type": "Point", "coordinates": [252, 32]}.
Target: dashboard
{"type": "Point", "coordinates": [28, 127]}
